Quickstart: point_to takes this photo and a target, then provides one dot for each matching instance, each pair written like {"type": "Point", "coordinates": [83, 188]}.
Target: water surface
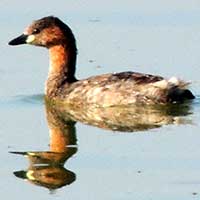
{"type": "Point", "coordinates": [156, 163]}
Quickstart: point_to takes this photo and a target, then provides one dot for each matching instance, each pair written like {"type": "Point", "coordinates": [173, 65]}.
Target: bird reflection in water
{"type": "Point", "coordinates": [47, 168]}
{"type": "Point", "coordinates": [127, 118]}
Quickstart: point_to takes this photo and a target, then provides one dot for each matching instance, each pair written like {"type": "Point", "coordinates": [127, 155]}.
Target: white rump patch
{"type": "Point", "coordinates": [161, 84]}
{"type": "Point", "coordinates": [173, 81]}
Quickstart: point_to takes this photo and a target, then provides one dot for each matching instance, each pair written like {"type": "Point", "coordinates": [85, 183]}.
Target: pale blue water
{"type": "Point", "coordinates": [153, 37]}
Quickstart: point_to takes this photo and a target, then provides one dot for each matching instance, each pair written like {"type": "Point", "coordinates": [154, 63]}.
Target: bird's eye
{"type": "Point", "coordinates": [35, 31]}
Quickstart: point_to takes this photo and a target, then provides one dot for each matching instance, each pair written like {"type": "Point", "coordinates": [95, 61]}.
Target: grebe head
{"type": "Point", "coordinates": [47, 32]}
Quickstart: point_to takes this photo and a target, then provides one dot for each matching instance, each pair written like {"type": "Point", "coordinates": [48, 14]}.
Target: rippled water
{"type": "Point", "coordinates": [89, 162]}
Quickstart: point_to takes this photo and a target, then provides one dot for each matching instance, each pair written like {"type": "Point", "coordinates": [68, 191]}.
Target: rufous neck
{"type": "Point", "coordinates": [62, 61]}
{"type": "Point", "coordinates": [61, 69]}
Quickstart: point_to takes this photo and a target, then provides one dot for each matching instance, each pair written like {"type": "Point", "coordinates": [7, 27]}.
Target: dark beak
{"type": "Point", "coordinates": [20, 174]}
{"type": "Point", "coordinates": [19, 40]}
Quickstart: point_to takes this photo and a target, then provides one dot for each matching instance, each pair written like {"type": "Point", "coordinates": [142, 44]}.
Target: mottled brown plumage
{"type": "Point", "coordinates": [105, 90]}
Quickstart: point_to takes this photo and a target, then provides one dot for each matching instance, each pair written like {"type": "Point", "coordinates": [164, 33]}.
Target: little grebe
{"type": "Point", "coordinates": [105, 90]}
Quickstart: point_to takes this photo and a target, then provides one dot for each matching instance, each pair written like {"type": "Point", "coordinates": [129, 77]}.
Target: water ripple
{"type": "Point", "coordinates": [22, 100]}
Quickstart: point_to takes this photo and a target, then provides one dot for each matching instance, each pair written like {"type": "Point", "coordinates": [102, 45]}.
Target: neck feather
{"type": "Point", "coordinates": [62, 68]}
